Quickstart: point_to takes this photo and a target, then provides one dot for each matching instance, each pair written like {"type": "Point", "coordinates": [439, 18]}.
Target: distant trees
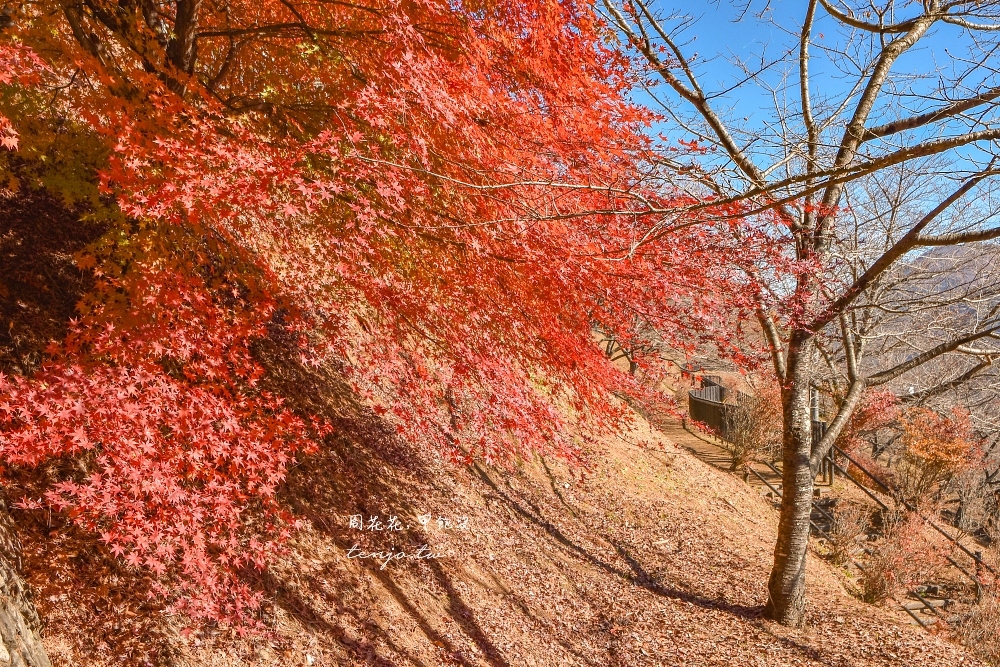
{"type": "Point", "coordinates": [878, 171]}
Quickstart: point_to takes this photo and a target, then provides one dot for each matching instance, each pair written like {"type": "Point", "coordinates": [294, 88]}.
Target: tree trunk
{"type": "Point", "coordinates": [20, 644]}
{"type": "Point", "coordinates": [787, 583]}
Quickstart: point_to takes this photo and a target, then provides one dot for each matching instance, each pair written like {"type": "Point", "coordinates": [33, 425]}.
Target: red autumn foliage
{"type": "Point", "coordinates": [438, 200]}
{"type": "Point", "coordinates": [879, 410]}
{"type": "Point", "coordinates": [904, 555]}
{"type": "Point", "coordinates": [184, 453]}
{"type": "Point", "coordinates": [18, 65]}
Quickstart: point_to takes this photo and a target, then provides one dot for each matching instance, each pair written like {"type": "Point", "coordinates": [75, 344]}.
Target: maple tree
{"type": "Point", "coordinates": [755, 430]}
{"type": "Point", "coordinates": [902, 557]}
{"type": "Point", "coordinates": [877, 411]}
{"type": "Point", "coordinates": [935, 448]}
{"type": "Point", "coordinates": [429, 198]}
{"type": "Point", "coordinates": [21, 66]}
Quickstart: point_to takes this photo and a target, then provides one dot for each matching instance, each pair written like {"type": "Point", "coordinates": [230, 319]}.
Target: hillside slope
{"type": "Point", "coordinates": [653, 558]}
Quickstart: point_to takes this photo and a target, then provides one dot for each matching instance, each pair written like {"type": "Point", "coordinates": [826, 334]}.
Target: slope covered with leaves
{"type": "Point", "coordinates": [651, 557]}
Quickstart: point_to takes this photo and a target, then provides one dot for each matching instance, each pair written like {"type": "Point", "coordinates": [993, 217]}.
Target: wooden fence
{"type": "Point", "coordinates": [711, 406]}
{"type": "Point", "coordinates": [717, 407]}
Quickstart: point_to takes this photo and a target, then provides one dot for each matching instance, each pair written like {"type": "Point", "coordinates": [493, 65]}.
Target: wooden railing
{"type": "Point", "coordinates": [710, 408]}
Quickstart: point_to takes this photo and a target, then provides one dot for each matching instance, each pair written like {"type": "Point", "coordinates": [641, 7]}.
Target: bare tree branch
{"type": "Point", "coordinates": [888, 258]}
{"type": "Point", "coordinates": [955, 108]}
{"type": "Point", "coordinates": [934, 352]}
{"type": "Point", "coordinates": [849, 19]}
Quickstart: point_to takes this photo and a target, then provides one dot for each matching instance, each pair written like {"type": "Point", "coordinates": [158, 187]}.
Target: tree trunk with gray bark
{"type": "Point", "coordinates": [20, 640]}
{"type": "Point", "coordinates": [787, 583]}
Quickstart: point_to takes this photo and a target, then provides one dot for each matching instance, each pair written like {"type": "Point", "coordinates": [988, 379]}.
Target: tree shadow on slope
{"type": "Point", "coordinates": [643, 578]}
{"type": "Point", "coordinates": [635, 573]}
{"type": "Point", "coordinates": [39, 283]}
{"type": "Point", "coordinates": [364, 468]}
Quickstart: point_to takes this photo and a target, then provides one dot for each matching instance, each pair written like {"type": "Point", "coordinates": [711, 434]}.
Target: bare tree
{"type": "Point", "coordinates": [755, 428]}
{"type": "Point", "coordinates": [878, 175]}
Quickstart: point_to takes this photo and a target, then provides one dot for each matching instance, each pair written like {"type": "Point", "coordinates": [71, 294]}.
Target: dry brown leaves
{"type": "Point", "coordinates": [653, 558]}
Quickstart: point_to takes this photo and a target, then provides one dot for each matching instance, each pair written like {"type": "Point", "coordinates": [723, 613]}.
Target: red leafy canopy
{"type": "Point", "coordinates": [17, 65]}
{"type": "Point", "coordinates": [156, 387]}
{"type": "Point", "coordinates": [446, 192]}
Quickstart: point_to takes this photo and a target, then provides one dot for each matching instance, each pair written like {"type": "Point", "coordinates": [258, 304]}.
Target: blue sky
{"type": "Point", "coordinates": [718, 35]}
